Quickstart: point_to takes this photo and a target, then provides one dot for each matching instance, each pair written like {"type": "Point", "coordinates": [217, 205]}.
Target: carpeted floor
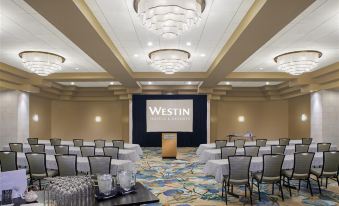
{"type": "Point", "coordinates": [182, 182]}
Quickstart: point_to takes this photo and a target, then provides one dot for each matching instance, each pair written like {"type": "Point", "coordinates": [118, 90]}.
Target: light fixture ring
{"type": "Point", "coordinates": [299, 51]}
{"type": "Point", "coordinates": [42, 52]}
{"type": "Point", "coordinates": [160, 50]}
{"type": "Point", "coordinates": [201, 2]}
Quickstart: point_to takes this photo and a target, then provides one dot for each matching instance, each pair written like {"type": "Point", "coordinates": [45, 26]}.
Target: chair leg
{"type": "Point", "coordinates": [245, 191]}
{"type": "Point", "coordinates": [289, 186]}
{"type": "Point", "coordinates": [326, 181]}
{"type": "Point", "coordinates": [309, 183]}
{"type": "Point", "coordinates": [39, 184]}
{"type": "Point", "coordinates": [272, 188]}
{"type": "Point", "coordinates": [228, 187]}
{"type": "Point", "coordinates": [299, 185]}
{"type": "Point", "coordinates": [222, 188]}
{"type": "Point", "coordinates": [337, 180]}
{"type": "Point", "coordinates": [318, 184]}
{"type": "Point", "coordinates": [250, 194]}
{"type": "Point", "coordinates": [281, 192]}
{"type": "Point", "coordinates": [259, 191]}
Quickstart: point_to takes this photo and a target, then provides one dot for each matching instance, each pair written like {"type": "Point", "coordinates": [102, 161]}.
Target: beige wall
{"type": "Point", "coordinates": [41, 107]}
{"type": "Point", "coordinates": [69, 120]}
{"type": "Point", "coordinates": [266, 119]}
{"type": "Point", "coordinates": [296, 107]}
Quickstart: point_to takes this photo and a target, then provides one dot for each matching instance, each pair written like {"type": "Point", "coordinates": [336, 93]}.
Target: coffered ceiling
{"type": "Point", "coordinates": [122, 24]}
{"type": "Point", "coordinates": [317, 28]}
{"type": "Point", "coordinates": [22, 28]}
{"type": "Point", "coordinates": [232, 48]}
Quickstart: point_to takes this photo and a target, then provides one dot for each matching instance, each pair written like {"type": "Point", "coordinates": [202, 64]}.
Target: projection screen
{"type": "Point", "coordinates": [169, 115]}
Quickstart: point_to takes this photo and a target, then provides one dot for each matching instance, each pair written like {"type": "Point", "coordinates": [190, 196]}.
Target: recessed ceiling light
{"type": "Point", "coordinates": [261, 68]}
{"type": "Point", "coordinates": [76, 68]}
{"type": "Point", "coordinates": [267, 83]}
{"type": "Point", "coordinates": [189, 83]}
{"type": "Point", "coordinates": [149, 83]}
{"type": "Point", "coordinates": [202, 55]}
{"type": "Point", "coordinates": [188, 43]}
{"type": "Point", "coordinates": [72, 83]}
{"type": "Point", "coordinates": [227, 83]}
{"type": "Point", "coordinates": [111, 83]}
{"type": "Point", "coordinates": [149, 43]}
{"type": "Point", "coordinates": [136, 55]}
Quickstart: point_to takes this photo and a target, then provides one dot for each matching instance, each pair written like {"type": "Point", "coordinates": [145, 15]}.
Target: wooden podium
{"type": "Point", "coordinates": [169, 145]}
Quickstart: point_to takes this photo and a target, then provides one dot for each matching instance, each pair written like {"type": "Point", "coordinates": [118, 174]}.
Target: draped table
{"type": "Point", "coordinates": [218, 168]}
{"type": "Point", "coordinates": [214, 154]}
{"type": "Point", "coordinates": [203, 147]}
{"type": "Point", "coordinates": [82, 163]}
{"type": "Point", "coordinates": [124, 154]}
{"type": "Point", "coordinates": [135, 147]}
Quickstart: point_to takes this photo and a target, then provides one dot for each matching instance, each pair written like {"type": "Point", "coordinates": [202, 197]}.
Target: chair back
{"type": "Point", "coordinates": [306, 141]}
{"type": "Point", "coordinates": [8, 161]}
{"type": "Point", "coordinates": [33, 140]}
{"type": "Point", "coordinates": [272, 165]}
{"type": "Point", "coordinates": [67, 164]}
{"type": "Point", "coordinates": [302, 147]}
{"type": "Point", "coordinates": [261, 142]}
{"type": "Point", "coordinates": [278, 149]}
{"type": "Point", "coordinates": [100, 164]}
{"type": "Point", "coordinates": [37, 148]}
{"type": "Point", "coordinates": [239, 167]}
{"type": "Point", "coordinates": [284, 141]}
{"type": "Point", "coordinates": [87, 151]}
{"type": "Point", "coordinates": [331, 162]}
{"type": "Point", "coordinates": [302, 163]}
{"type": "Point", "coordinates": [61, 149]}
{"type": "Point", "coordinates": [99, 143]}
{"type": "Point", "coordinates": [16, 147]}
{"type": "Point", "coordinates": [55, 141]}
{"type": "Point", "coordinates": [252, 151]}
{"type": "Point", "coordinates": [36, 163]}
{"type": "Point", "coordinates": [220, 143]}
{"type": "Point", "coordinates": [228, 151]}
{"type": "Point", "coordinates": [239, 143]}
{"type": "Point", "coordinates": [112, 152]}
{"type": "Point", "coordinates": [323, 147]}
{"type": "Point", "coordinates": [78, 142]}
{"type": "Point", "coordinates": [118, 143]}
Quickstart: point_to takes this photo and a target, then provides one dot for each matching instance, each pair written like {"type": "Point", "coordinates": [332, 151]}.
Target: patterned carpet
{"type": "Point", "coordinates": [182, 182]}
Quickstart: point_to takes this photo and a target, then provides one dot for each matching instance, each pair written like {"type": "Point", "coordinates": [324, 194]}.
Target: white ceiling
{"type": "Point", "coordinates": [122, 24]}
{"type": "Point", "coordinates": [89, 84]}
{"type": "Point", "coordinates": [249, 84]}
{"type": "Point", "coordinates": [179, 83]}
{"type": "Point", "coordinates": [22, 28]}
{"type": "Point", "coordinates": [317, 28]}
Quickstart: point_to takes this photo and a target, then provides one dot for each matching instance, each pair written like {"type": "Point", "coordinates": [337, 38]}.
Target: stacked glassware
{"type": "Point", "coordinates": [69, 191]}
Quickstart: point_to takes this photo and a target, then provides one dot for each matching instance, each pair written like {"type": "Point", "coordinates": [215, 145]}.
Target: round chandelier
{"type": "Point", "coordinates": [169, 18]}
{"type": "Point", "coordinates": [298, 62]}
{"type": "Point", "coordinates": [41, 63]}
{"type": "Point", "coordinates": [169, 61]}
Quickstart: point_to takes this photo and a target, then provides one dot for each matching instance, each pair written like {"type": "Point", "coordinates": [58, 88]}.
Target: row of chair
{"type": "Point", "coordinates": [240, 143]}
{"type": "Point", "coordinates": [64, 149]}
{"type": "Point", "coordinates": [99, 143]}
{"type": "Point", "coordinates": [272, 173]}
{"type": "Point", "coordinates": [66, 164]}
{"type": "Point", "coordinates": [253, 151]}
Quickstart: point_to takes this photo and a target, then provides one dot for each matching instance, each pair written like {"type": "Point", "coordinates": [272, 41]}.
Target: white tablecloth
{"type": "Point", "coordinates": [135, 147]}
{"type": "Point", "coordinates": [218, 168]}
{"type": "Point", "coordinates": [83, 165]}
{"type": "Point", "coordinates": [214, 154]}
{"type": "Point", "coordinates": [124, 154]}
{"type": "Point", "coordinates": [203, 147]}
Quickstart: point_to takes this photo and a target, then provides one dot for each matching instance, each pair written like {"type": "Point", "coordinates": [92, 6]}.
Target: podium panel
{"type": "Point", "coordinates": [169, 145]}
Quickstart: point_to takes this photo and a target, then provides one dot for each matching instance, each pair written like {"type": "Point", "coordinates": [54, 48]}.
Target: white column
{"type": "Point", "coordinates": [14, 116]}
{"type": "Point", "coordinates": [325, 116]}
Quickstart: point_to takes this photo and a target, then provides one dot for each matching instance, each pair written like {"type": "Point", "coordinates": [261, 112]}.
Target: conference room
{"type": "Point", "coordinates": [169, 102]}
